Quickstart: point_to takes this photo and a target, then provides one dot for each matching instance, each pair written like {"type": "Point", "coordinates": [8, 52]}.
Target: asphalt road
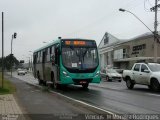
{"type": "Point", "coordinates": [38, 104]}
{"type": "Point", "coordinates": [112, 96]}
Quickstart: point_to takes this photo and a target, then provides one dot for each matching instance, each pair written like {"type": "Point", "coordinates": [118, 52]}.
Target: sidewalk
{"type": "Point", "coordinates": [8, 105]}
{"type": "Point", "coordinates": [9, 108]}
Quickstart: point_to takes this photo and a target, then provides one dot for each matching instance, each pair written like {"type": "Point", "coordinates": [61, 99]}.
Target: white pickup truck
{"type": "Point", "coordinates": [144, 74]}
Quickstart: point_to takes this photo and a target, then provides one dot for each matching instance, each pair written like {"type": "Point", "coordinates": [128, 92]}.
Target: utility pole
{"type": "Point", "coordinates": [2, 50]}
{"type": "Point", "coordinates": [155, 33]}
{"type": "Point", "coordinates": [155, 9]}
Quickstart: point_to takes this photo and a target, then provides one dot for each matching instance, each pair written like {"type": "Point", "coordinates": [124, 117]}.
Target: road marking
{"type": "Point", "coordinates": [153, 94]}
{"type": "Point", "coordinates": [83, 103]}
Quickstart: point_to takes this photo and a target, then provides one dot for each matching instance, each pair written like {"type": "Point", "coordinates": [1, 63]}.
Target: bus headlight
{"type": "Point", "coordinates": [97, 74]}
{"type": "Point", "coordinates": [65, 74]}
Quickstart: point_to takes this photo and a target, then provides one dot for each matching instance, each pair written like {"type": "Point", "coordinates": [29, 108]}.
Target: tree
{"type": "Point", "coordinates": [9, 61]}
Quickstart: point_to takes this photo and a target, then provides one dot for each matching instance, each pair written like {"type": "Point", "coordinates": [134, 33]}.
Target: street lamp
{"type": "Point", "coordinates": [13, 37]}
{"type": "Point", "coordinates": [154, 33]}
{"type": "Point", "coordinates": [123, 10]}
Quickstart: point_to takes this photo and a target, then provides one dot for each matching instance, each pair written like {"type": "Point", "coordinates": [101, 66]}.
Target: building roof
{"type": "Point", "coordinates": [120, 41]}
{"type": "Point", "coordinates": [108, 39]}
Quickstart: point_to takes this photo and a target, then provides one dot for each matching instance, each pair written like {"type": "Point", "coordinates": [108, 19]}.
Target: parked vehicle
{"type": "Point", "coordinates": [118, 70]}
{"type": "Point", "coordinates": [111, 75]}
{"type": "Point", "coordinates": [26, 71]}
{"type": "Point", "coordinates": [20, 71]}
{"type": "Point", "coordinates": [145, 74]}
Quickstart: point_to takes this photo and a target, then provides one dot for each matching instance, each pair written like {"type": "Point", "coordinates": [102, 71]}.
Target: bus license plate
{"type": "Point", "coordinates": [83, 82]}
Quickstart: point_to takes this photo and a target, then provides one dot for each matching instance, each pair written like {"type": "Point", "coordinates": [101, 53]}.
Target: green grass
{"type": "Point", "coordinates": [8, 87]}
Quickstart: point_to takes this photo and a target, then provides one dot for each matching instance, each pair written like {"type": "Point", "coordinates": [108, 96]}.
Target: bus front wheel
{"type": "Point", "coordinates": [85, 86]}
{"type": "Point", "coordinates": [56, 85]}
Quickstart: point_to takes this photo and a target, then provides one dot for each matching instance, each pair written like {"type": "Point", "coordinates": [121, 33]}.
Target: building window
{"type": "Point", "coordinates": [125, 54]}
{"type": "Point", "coordinates": [106, 39]}
{"type": "Point", "coordinates": [118, 54]}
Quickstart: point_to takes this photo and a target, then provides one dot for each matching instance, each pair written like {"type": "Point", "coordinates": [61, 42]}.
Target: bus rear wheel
{"type": "Point", "coordinates": [85, 86]}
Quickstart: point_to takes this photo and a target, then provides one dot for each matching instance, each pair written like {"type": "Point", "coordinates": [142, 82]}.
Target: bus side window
{"type": "Point", "coordinates": [43, 55]}
{"type": "Point", "coordinates": [53, 50]}
{"type": "Point", "coordinates": [48, 54]}
{"type": "Point", "coordinates": [35, 58]}
{"type": "Point", "coordinates": [52, 55]}
{"type": "Point", "coordinates": [38, 57]}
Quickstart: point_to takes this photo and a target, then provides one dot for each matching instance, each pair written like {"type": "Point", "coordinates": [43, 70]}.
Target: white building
{"type": "Point", "coordinates": [105, 48]}
{"type": "Point", "coordinates": [124, 53]}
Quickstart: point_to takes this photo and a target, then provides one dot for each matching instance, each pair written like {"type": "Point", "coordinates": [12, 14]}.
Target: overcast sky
{"type": "Point", "coordinates": [36, 21]}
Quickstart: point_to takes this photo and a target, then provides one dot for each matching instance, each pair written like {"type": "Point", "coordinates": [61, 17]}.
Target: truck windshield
{"type": "Point", "coordinates": [80, 58]}
{"type": "Point", "coordinates": [154, 67]}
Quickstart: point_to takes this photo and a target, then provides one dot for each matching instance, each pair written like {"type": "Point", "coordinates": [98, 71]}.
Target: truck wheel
{"type": "Point", "coordinates": [155, 85]}
{"type": "Point", "coordinates": [129, 83]}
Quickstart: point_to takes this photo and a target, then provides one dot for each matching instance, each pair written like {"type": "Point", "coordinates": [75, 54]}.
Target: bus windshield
{"type": "Point", "coordinates": [80, 58]}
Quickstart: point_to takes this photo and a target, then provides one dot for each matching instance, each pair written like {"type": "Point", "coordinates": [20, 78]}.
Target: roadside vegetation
{"type": "Point", "coordinates": [8, 87]}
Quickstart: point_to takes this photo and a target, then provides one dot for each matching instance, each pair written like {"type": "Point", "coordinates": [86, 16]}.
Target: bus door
{"type": "Point", "coordinates": [43, 64]}
{"type": "Point", "coordinates": [56, 67]}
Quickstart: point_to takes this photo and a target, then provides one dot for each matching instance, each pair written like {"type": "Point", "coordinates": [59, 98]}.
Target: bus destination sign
{"type": "Point", "coordinates": [79, 43]}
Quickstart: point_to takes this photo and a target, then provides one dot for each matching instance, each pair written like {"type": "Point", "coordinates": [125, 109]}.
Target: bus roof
{"type": "Point", "coordinates": [49, 44]}
{"type": "Point", "coordinates": [58, 41]}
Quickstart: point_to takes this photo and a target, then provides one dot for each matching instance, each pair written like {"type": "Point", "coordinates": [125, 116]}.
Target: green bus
{"type": "Point", "coordinates": [67, 61]}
